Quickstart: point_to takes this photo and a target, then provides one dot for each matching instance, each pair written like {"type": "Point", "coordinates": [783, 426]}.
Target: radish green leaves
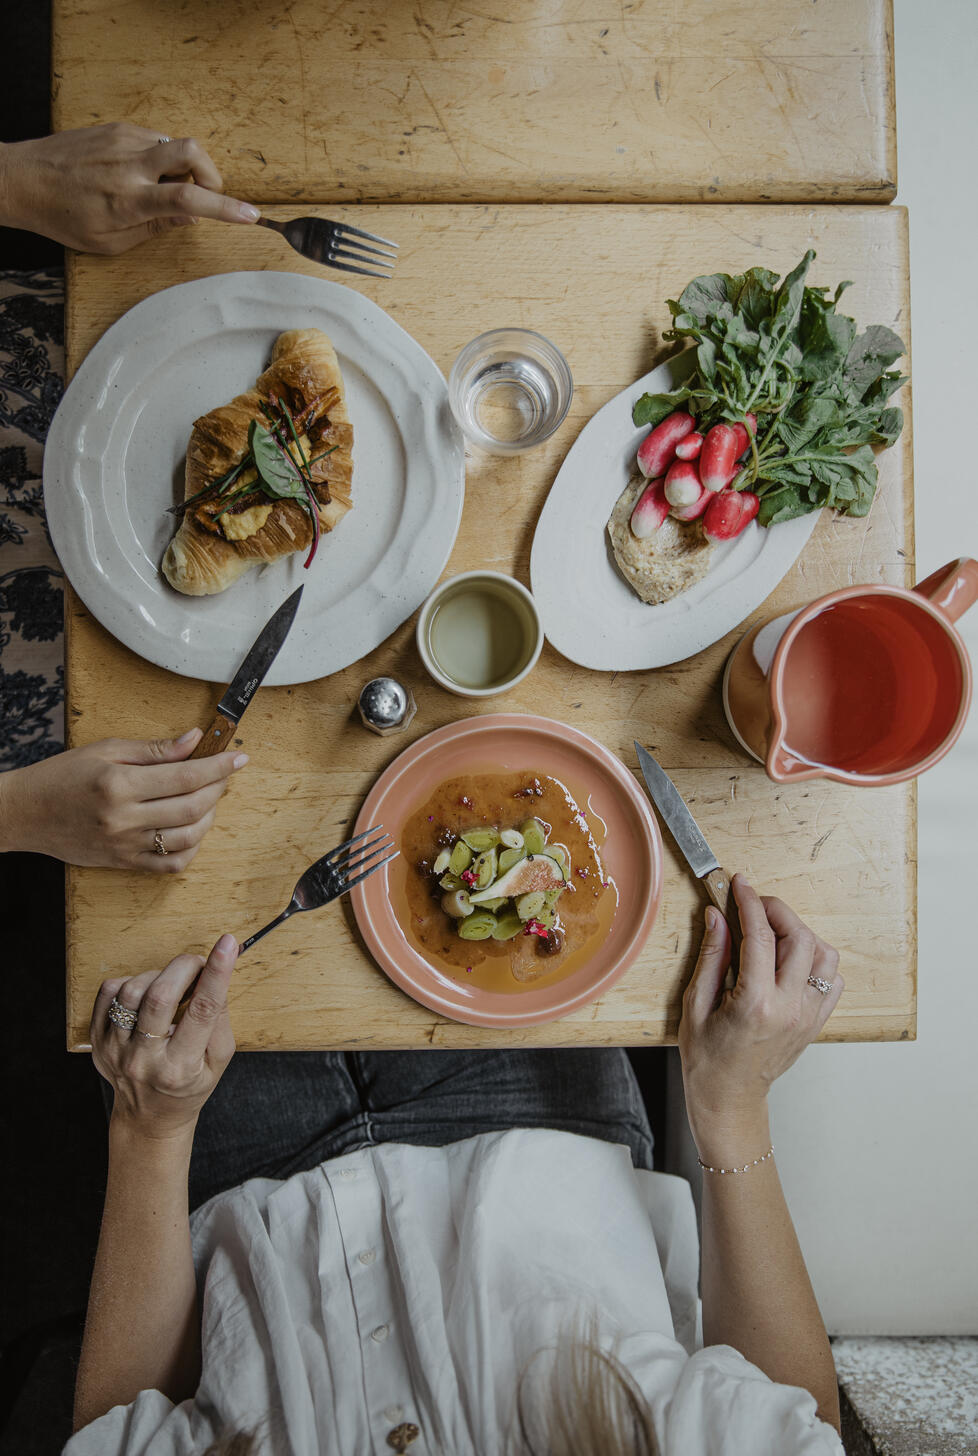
{"type": "Point", "coordinates": [781, 351]}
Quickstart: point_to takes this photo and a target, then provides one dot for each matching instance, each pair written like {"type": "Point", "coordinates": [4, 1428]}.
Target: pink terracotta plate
{"type": "Point", "coordinates": [608, 795]}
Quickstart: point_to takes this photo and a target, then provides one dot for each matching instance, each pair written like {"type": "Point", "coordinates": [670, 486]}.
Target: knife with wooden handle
{"type": "Point", "coordinates": [697, 853]}
{"type": "Point", "coordinates": [248, 679]}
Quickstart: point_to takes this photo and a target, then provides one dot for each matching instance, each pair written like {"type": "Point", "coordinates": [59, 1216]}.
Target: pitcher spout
{"type": "Point", "coordinates": [784, 767]}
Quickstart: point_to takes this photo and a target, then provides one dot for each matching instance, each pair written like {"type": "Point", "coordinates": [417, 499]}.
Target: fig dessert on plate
{"type": "Point", "coordinates": [267, 473]}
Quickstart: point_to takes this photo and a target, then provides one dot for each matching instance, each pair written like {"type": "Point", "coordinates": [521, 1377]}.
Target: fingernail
{"type": "Point", "coordinates": [712, 918]}
{"type": "Point", "coordinates": [240, 760]}
{"type": "Point", "coordinates": [226, 944]}
{"type": "Point", "coordinates": [186, 737]}
{"type": "Point", "coordinates": [247, 213]}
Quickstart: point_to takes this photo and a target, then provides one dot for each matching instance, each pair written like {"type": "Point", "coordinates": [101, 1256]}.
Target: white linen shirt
{"type": "Point", "coordinates": [407, 1284]}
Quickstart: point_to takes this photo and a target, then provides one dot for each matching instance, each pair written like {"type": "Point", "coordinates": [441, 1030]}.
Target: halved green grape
{"type": "Point", "coordinates": [561, 856]}
{"type": "Point", "coordinates": [511, 838]}
{"type": "Point", "coordinates": [534, 836]}
{"type": "Point", "coordinates": [442, 862]}
{"type": "Point", "coordinates": [528, 907]}
{"type": "Point", "coordinates": [461, 857]}
{"type": "Point", "coordinates": [485, 866]}
{"type": "Point", "coordinates": [478, 926]}
{"type": "Point", "coordinates": [451, 882]}
{"type": "Point", "coordinates": [550, 897]}
{"type": "Point", "coordinates": [509, 857]}
{"type": "Point", "coordinates": [480, 839]}
{"type": "Point", "coordinates": [494, 904]}
{"type": "Point", "coordinates": [507, 926]}
{"type": "Point", "coordinates": [547, 917]}
{"type": "Point", "coordinates": [457, 904]}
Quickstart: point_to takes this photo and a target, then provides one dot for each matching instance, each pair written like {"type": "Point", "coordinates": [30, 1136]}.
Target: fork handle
{"type": "Point", "coordinates": [245, 944]}
{"type": "Point", "coordinates": [243, 947]}
{"type": "Point", "coordinates": [269, 222]}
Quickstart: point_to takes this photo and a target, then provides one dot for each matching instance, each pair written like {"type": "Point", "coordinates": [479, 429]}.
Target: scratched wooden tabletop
{"type": "Point", "coordinates": [844, 857]}
{"type": "Point", "coordinates": [518, 101]}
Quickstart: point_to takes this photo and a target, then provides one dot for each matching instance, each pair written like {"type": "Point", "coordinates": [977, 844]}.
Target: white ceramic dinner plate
{"type": "Point", "coordinates": [589, 613]}
{"type": "Point", "coordinates": [114, 463]}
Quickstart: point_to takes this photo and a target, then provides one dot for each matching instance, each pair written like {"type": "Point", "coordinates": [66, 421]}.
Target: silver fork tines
{"type": "Point", "coordinates": [334, 874]}
{"type": "Point", "coordinates": [326, 242]}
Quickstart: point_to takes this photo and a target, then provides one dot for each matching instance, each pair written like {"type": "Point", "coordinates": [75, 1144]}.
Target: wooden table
{"type": "Point", "coordinates": [593, 278]}
{"type": "Point", "coordinates": [517, 101]}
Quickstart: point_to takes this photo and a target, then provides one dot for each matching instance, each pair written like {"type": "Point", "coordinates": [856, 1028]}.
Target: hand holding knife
{"type": "Point", "coordinates": [686, 832]}
{"type": "Point", "coordinates": [248, 679]}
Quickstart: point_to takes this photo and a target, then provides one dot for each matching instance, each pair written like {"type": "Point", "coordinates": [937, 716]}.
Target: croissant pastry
{"type": "Point", "coordinates": [217, 542]}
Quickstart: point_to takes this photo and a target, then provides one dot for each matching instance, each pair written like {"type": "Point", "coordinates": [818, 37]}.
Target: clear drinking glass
{"type": "Point", "coordinates": [509, 390]}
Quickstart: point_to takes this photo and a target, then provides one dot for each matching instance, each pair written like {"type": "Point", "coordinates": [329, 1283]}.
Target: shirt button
{"type": "Point", "coordinates": [394, 1413]}
{"type": "Point", "coordinates": [348, 1174]}
{"type": "Point", "coordinates": [368, 1256]}
{"type": "Point", "coordinates": [380, 1333]}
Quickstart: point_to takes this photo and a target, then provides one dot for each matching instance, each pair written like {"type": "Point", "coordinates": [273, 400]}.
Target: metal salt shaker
{"type": "Point", "coordinates": [385, 706]}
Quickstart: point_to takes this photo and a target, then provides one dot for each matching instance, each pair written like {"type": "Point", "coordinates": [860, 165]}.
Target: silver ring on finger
{"type": "Point", "coordinates": [121, 1016]}
{"type": "Point", "coordinates": [154, 1035]}
{"type": "Point", "coordinates": [823, 987]}
{"type": "Point", "coordinates": [163, 140]}
{"type": "Point", "coordinates": [158, 846]}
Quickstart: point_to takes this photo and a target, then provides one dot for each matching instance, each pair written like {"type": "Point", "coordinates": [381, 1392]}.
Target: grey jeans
{"type": "Point", "coordinates": [278, 1113]}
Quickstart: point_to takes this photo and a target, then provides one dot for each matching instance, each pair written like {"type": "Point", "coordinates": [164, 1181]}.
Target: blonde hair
{"type": "Point", "coordinates": [589, 1402]}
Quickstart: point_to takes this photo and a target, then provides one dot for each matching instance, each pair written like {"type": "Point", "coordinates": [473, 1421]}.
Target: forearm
{"type": "Point", "coordinates": [756, 1292]}
{"type": "Point", "coordinates": [11, 185]}
{"type": "Point", "coordinates": [10, 827]}
{"type": "Point", "coordinates": [142, 1330]}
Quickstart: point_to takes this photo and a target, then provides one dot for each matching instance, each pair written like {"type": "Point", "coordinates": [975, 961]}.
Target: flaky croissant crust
{"type": "Point", "coordinates": [303, 367]}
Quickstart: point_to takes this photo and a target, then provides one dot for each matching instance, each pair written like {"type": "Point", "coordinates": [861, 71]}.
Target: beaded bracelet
{"type": "Point", "coordinates": [745, 1169]}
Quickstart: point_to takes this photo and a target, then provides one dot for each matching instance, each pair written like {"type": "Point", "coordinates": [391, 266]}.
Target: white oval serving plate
{"type": "Point", "coordinates": [589, 612]}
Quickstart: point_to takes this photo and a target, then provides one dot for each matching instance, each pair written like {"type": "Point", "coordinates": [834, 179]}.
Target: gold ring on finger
{"type": "Point", "coordinates": [121, 1016]}
{"type": "Point", "coordinates": [153, 1035]}
{"type": "Point", "coordinates": [158, 846]}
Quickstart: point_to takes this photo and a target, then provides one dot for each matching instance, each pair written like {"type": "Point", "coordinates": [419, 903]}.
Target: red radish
{"type": "Point", "coordinates": [690, 513]}
{"type": "Point", "coordinates": [659, 446]}
{"type": "Point", "coordinates": [689, 446]}
{"type": "Point", "coordinates": [729, 512]}
{"type": "Point", "coordinates": [683, 484]}
{"type": "Point", "coordinates": [717, 457]}
{"type": "Point", "coordinates": [650, 510]}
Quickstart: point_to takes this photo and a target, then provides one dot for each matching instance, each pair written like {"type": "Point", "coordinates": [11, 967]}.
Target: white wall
{"type": "Point", "coordinates": [878, 1145]}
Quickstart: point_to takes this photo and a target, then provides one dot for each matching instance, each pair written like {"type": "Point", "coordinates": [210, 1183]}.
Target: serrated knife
{"type": "Point", "coordinates": [248, 678]}
{"type": "Point", "coordinates": [686, 832]}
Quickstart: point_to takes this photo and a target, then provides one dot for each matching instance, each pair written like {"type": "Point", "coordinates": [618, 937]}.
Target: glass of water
{"type": "Point", "coordinates": [509, 390]}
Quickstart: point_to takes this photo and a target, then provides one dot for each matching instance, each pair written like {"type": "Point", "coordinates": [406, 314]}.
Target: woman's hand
{"type": "Point", "coordinates": [103, 189]}
{"type": "Point", "coordinates": [104, 804]}
{"type": "Point", "coordinates": [735, 1043]}
{"type": "Point", "coordinates": [161, 1075]}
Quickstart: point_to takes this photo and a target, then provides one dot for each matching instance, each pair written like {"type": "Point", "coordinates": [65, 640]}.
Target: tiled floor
{"type": "Point", "coordinates": [911, 1397]}
{"type": "Point", "coordinates": [876, 1144]}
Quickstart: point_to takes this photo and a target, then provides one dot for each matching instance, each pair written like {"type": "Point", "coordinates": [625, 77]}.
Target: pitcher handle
{"type": "Point", "coordinates": [953, 588]}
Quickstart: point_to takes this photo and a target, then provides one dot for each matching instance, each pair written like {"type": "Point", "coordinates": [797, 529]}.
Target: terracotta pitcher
{"type": "Point", "coordinates": [870, 685]}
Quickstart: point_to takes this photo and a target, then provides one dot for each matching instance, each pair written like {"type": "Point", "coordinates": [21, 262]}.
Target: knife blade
{"type": "Point", "coordinates": [248, 678]}
{"type": "Point", "coordinates": [689, 838]}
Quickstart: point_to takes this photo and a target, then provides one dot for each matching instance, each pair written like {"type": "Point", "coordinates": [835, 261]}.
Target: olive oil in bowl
{"type": "Point", "coordinates": [479, 633]}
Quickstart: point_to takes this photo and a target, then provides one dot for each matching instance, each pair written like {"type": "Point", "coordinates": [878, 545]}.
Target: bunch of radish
{"type": "Point", "coordinates": [689, 477]}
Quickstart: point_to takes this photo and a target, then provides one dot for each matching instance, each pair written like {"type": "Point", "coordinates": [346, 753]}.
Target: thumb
{"type": "Point", "coordinates": [706, 982]}
{"type": "Point", "coordinates": [162, 750]}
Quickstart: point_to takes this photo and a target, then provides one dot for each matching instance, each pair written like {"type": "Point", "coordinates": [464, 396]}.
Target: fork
{"type": "Point", "coordinates": [326, 242]}
{"type": "Point", "coordinates": [329, 877]}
